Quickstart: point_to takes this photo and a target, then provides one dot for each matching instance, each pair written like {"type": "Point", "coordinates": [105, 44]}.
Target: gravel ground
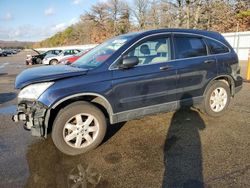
{"type": "Point", "coordinates": [178, 149]}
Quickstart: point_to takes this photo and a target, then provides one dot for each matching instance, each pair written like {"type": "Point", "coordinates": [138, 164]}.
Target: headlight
{"type": "Point", "coordinates": [34, 91]}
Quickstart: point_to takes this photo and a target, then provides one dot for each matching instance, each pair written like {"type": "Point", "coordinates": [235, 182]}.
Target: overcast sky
{"type": "Point", "coordinates": [34, 20]}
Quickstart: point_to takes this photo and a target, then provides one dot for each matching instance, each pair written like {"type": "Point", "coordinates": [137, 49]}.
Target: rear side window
{"type": "Point", "coordinates": [216, 47]}
{"type": "Point", "coordinates": [186, 47]}
{"type": "Point", "coordinates": [49, 52]}
{"type": "Point", "coordinates": [67, 52]}
{"type": "Point", "coordinates": [57, 51]}
{"type": "Point", "coordinates": [76, 51]}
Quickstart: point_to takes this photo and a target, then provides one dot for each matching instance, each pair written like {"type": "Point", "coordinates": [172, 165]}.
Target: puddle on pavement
{"type": "Point", "coordinates": [8, 110]}
{"type": "Point", "coordinates": [3, 65]}
{"type": "Point", "coordinates": [81, 177]}
{"type": "Point", "coordinates": [50, 168]}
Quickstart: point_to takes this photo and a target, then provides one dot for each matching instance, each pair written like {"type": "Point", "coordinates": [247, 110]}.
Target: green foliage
{"type": "Point", "coordinates": [243, 14]}
{"type": "Point", "coordinates": [59, 39]}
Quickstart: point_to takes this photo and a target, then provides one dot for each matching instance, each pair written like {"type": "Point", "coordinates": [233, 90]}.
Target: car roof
{"type": "Point", "coordinates": [210, 34]}
{"type": "Point", "coordinates": [177, 30]}
{"type": "Point", "coordinates": [71, 49]}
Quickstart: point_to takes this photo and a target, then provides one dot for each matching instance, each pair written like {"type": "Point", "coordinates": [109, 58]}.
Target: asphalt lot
{"type": "Point", "coordinates": [178, 149]}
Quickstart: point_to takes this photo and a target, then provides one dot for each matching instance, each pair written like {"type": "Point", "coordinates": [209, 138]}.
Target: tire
{"type": "Point", "coordinates": [62, 134]}
{"type": "Point", "coordinates": [53, 62]}
{"type": "Point", "coordinates": [217, 99]}
{"type": "Point", "coordinates": [38, 61]}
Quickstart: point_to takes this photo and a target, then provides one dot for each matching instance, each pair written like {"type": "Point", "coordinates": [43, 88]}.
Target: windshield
{"type": "Point", "coordinates": [101, 53]}
{"type": "Point", "coordinates": [82, 52]}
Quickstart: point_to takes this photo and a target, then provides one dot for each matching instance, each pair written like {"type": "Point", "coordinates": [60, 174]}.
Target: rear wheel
{"type": "Point", "coordinates": [78, 128]}
{"type": "Point", "coordinates": [217, 98]}
{"type": "Point", "coordinates": [53, 62]}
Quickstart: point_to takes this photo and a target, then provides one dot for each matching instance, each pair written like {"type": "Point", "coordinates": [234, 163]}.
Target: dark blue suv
{"type": "Point", "coordinates": [124, 78]}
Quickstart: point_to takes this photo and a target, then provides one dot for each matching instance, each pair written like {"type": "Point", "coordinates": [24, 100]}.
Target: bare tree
{"type": "Point", "coordinates": [153, 17]}
{"type": "Point", "coordinates": [98, 14]}
{"type": "Point", "coordinates": [197, 4]}
{"type": "Point", "coordinates": [188, 14]}
{"type": "Point", "coordinates": [114, 7]}
{"type": "Point", "coordinates": [140, 11]}
{"type": "Point", "coordinates": [124, 21]}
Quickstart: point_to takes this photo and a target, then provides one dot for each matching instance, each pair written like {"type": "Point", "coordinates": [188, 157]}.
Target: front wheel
{"type": "Point", "coordinates": [217, 99]}
{"type": "Point", "coordinates": [78, 128]}
{"type": "Point", "coordinates": [38, 61]}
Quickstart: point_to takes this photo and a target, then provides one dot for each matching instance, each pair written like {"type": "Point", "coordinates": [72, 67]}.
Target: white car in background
{"type": "Point", "coordinates": [54, 59]}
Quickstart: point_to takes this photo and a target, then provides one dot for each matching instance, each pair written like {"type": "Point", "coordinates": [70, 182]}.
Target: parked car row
{"type": "Point", "coordinates": [6, 52]}
{"type": "Point", "coordinates": [55, 56]}
{"type": "Point", "coordinates": [54, 59]}
{"type": "Point", "coordinates": [37, 59]}
{"type": "Point", "coordinates": [70, 59]}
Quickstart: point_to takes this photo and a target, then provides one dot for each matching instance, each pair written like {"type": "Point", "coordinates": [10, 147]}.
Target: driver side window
{"type": "Point", "coordinates": [152, 51]}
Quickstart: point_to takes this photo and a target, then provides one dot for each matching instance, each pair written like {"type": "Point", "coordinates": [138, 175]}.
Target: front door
{"type": "Point", "coordinates": [147, 87]}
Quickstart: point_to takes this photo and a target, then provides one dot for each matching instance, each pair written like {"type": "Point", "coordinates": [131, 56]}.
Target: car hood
{"type": "Point", "coordinates": [38, 53]}
{"type": "Point", "coordinates": [47, 73]}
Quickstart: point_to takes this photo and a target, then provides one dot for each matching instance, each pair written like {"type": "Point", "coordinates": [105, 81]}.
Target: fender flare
{"type": "Point", "coordinates": [97, 98]}
{"type": "Point", "coordinates": [231, 84]}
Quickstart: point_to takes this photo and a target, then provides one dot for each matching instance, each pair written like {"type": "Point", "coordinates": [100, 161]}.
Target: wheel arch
{"type": "Point", "coordinates": [96, 99]}
{"type": "Point", "coordinates": [224, 78]}
{"type": "Point", "coordinates": [53, 60]}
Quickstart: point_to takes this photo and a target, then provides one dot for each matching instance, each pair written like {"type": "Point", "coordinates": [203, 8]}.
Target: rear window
{"type": "Point", "coordinates": [57, 52]}
{"type": "Point", "coordinates": [186, 47]}
{"type": "Point", "coordinates": [216, 47]}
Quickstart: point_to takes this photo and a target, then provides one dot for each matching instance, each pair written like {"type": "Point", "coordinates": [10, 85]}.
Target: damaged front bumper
{"type": "Point", "coordinates": [32, 113]}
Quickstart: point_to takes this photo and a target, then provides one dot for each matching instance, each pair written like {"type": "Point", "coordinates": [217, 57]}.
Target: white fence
{"type": "Point", "coordinates": [240, 41]}
{"type": "Point", "coordinates": [81, 47]}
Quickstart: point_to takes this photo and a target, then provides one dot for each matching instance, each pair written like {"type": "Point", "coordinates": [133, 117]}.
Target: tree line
{"type": "Point", "coordinates": [114, 17]}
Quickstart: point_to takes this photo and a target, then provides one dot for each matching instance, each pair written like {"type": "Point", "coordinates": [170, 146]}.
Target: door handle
{"type": "Point", "coordinates": [165, 67]}
{"type": "Point", "coordinates": [209, 61]}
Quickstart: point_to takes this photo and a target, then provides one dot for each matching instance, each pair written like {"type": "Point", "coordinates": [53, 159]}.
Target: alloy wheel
{"type": "Point", "coordinates": [81, 130]}
{"type": "Point", "coordinates": [218, 99]}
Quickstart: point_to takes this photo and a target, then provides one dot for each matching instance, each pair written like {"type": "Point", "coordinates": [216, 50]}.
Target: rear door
{"type": "Point", "coordinates": [152, 82]}
{"type": "Point", "coordinates": [195, 66]}
{"type": "Point", "coordinates": [227, 62]}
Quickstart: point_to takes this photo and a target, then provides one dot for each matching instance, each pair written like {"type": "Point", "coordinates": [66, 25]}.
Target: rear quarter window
{"type": "Point", "coordinates": [216, 47]}
{"type": "Point", "coordinates": [186, 47]}
{"type": "Point", "coordinates": [49, 52]}
{"type": "Point", "coordinates": [57, 52]}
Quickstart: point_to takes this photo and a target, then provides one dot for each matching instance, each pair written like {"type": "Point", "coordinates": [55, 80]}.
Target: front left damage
{"type": "Point", "coordinates": [33, 114]}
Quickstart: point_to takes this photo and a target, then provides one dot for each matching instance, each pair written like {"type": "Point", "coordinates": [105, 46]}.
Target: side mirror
{"type": "Point", "coordinates": [129, 62]}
